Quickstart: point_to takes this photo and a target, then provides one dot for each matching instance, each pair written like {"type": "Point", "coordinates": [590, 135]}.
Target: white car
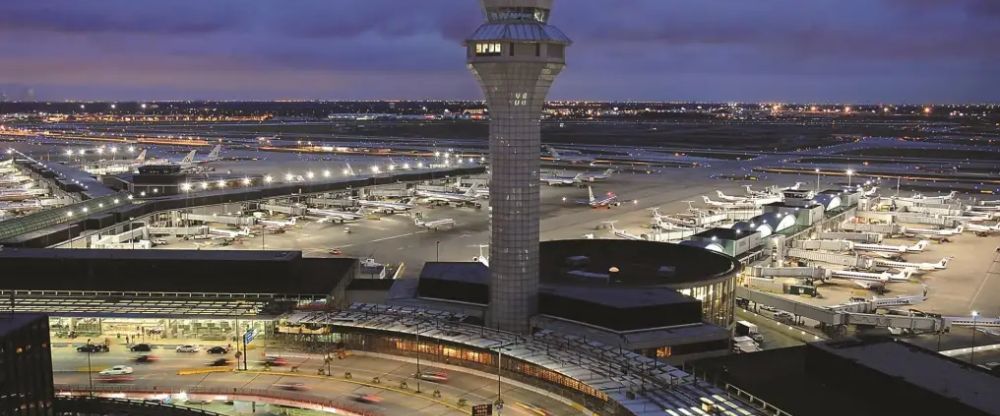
{"type": "Point", "coordinates": [117, 370]}
{"type": "Point", "coordinates": [188, 348]}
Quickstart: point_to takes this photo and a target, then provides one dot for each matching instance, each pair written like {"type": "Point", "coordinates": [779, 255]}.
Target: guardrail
{"type": "Point", "coordinates": [106, 405]}
{"type": "Point", "coordinates": [302, 401]}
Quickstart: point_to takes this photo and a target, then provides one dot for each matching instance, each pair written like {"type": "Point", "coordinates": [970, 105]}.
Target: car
{"type": "Point", "coordinates": [369, 398]}
{"type": "Point", "coordinates": [221, 362]}
{"type": "Point", "coordinates": [217, 350]}
{"type": "Point", "coordinates": [92, 348]}
{"type": "Point", "coordinates": [275, 361]}
{"type": "Point", "coordinates": [291, 386]}
{"type": "Point", "coordinates": [116, 370]}
{"type": "Point", "coordinates": [187, 348]}
{"type": "Point", "coordinates": [435, 376]}
{"type": "Point", "coordinates": [140, 348]}
{"type": "Point", "coordinates": [336, 251]}
{"type": "Point", "coordinates": [147, 359]}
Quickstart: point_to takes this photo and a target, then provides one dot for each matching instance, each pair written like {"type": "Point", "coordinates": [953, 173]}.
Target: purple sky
{"type": "Point", "coordinates": [914, 51]}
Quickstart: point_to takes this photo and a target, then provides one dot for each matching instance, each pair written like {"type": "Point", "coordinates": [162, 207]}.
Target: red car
{"type": "Point", "coordinates": [275, 361]}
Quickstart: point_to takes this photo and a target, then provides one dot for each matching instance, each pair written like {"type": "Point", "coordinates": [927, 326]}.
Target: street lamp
{"type": "Point", "coordinates": [850, 174]}
{"type": "Point", "coordinates": [972, 354]}
{"type": "Point", "coordinates": [817, 179]}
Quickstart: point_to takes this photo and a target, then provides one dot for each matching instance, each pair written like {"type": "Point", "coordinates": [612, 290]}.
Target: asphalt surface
{"type": "Point", "coordinates": [71, 368]}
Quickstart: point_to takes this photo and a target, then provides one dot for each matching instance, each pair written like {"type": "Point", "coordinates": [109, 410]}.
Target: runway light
{"type": "Point", "coordinates": [113, 106]}
{"type": "Point", "coordinates": [142, 106]}
{"type": "Point", "coordinates": [100, 150]}
{"type": "Point", "coordinates": [116, 200]}
{"type": "Point", "coordinates": [84, 209]}
{"type": "Point", "coordinates": [564, 199]}
{"type": "Point", "coordinates": [114, 149]}
{"type": "Point", "coordinates": [185, 186]}
{"type": "Point", "coordinates": [375, 169]}
{"type": "Point", "coordinates": [392, 168]}
{"type": "Point", "coordinates": [326, 173]}
{"type": "Point", "coordinates": [268, 179]}
{"type": "Point", "coordinates": [204, 185]}
{"type": "Point", "coordinates": [130, 197]}
{"type": "Point", "coordinates": [143, 193]}
{"type": "Point", "coordinates": [222, 183]}
{"type": "Point", "coordinates": [310, 174]}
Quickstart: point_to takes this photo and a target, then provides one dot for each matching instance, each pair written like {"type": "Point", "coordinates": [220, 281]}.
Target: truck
{"type": "Point", "coordinates": [747, 329]}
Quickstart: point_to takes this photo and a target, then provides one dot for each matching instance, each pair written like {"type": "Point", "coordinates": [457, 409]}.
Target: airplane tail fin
{"type": "Point", "coordinates": [720, 194]}
{"type": "Point", "coordinates": [590, 194]}
{"type": "Point", "coordinates": [577, 177]}
{"type": "Point", "coordinates": [214, 154]}
{"type": "Point", "coordinates": [609, 172]}
{"type": "Point", "coordinates": [705, 198]}
{"type": "Point", "coordinates": [189, 158]}
{"type": "Point", "coordinates": [943, 263]}
{"type": "Point", "coordinates": [350, 170]}
{"type": "Point", "coordinates": [796, 186]}
{"type": "Point", "coordinates": [920, 246]}
{"type": "Point", "coordinates": [142, 156]}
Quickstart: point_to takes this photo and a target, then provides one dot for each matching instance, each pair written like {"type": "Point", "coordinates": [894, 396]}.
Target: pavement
{"type": "Point", "coordinates": [71, 368]}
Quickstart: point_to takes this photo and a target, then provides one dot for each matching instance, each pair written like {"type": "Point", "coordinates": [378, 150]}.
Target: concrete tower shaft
{"type": "Point", "coordinates": [515, 56]}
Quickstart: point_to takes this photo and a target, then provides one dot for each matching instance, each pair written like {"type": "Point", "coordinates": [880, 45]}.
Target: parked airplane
{"type": "Point", "coordinates": [983, 229]}
{"type": "Point", "coordinates": [925, 267]}
{"type": "Point", "coordinates": [557, 180]}
{"type": "Point", "coordinates": [753, 193]}
{"type": "Point", "coordinates": [385, 207]}
{"type": "Point", "coordinates": [189, 161]}
{"type": "Point", "coordinates": [573, 157]}
{"type": "Point", "coordinates": [865, 280]}
{"type": "Point", "coordinates": [920, 246]}
{"type": "Point", "coordinates": [273, 225]}
{"type": "Point", "coordinates": [329, 215]}
{"type": "Point", "coordinates": [923, 198]}
{"type": "Point", "coordinates": [756, 201]}
{"type": "Point", "coordinates": [467, 197]}
{"type": "Point", "coordinates": [729, 205]}
{"type": "Point", "coordinates": [220, 233]}
{"type": "Point", "coordinates": [609, 200]}
{"type": "Point", "coordinates": [594, 177]}
{"type": "Point", "coordinates": [933, 232]}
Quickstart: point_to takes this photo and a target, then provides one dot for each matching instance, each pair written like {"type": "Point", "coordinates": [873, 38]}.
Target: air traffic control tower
{"type": "Point", "coordinates": [515, 56]}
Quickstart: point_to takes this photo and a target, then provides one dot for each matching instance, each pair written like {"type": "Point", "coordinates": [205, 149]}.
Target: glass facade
{"type": "Point", "coordinates": [518, 14]}
{"type": "Point", "coordinates": [717, 300]}
{"type": "Point", "coordinates": [26, 368]}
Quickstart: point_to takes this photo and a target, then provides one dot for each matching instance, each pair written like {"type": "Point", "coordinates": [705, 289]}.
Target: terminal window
{"type": "Point", "coordinates": [488, 49]}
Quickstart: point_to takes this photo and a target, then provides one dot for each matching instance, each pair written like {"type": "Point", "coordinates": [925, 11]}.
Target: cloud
{"type": "Point", "coordinates": [412, 48]}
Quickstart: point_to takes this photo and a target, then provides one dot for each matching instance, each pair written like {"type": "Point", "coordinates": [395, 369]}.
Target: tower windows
{"type": "Point", "coordinates": [489, 49]}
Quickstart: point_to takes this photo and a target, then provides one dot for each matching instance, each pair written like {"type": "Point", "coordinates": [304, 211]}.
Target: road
{"type": "Point", "coordinates": [70, 368]}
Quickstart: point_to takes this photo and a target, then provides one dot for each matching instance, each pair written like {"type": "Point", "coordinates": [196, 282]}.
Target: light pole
{"type": "Point", "coordinates": [817, 179]}
{"type": "Point", "coordinates": [90, 369]}
{"type": "Point", "coordinates": [850, 175]}
{"type": "Point", "coordinates": [972, 354]}
{"type": "Point", "coordinates": [418, 362]}
{"type": "Point", "coordinates": [437, 251]}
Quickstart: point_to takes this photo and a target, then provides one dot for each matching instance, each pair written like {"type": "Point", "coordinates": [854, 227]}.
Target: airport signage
{"type": "Point", "coordinates": [482, 410]}
{"type": "Point", "coordinates": [249, 336]}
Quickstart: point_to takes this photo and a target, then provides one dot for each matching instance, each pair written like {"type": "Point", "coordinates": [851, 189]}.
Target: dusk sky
{"type": "Point", "coordinates": [914, 51]}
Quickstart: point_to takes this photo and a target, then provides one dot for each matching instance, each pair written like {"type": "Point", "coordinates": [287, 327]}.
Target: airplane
{"type": "Point", "coordinates": [217, 233]}
{"type": "Point", "coordinates": [433, 224]}
{"type": "Point", "coordinates": [665, 222]}
{"type": "Point", "coordinates": [983, 229]}
{"type": "Point", "coordinates": [606, 202]}
{"type": "Point", "coordinates": [795, 187]}
{"type": "Point", "coordinates": [753, 193]}
{"type": "Point", "coordinates": [756, 201]}
{"type": "Point", "coordinates": [871, 277]}
{"type": "Point", "coordinates": [561, 157]}
{"type": "Point", "coordinates": [386, 207]}
{"type": "Point", "coordinates": [933, 232]}
{"type": "Point", "coordinates": [468, 197]}
{"type": "Point", "coordinates": [594, 177]}
{"type": "Point", "coordinates": [920, 246]}
{"type": "Point", "coordinates": [349, 171]}
{"type": "Point", "coordinates": [328, 215]}
{"type": "Point", "coordinates": [923, 267]}
{"type": "Point", "coordinates": [556, 180]}
{"type": "Point", "coordinates": [729, 205]}
{"type": "Point", "coordinates": [274, 225]}
{"type": "Point", "coordinates": [923, 198]}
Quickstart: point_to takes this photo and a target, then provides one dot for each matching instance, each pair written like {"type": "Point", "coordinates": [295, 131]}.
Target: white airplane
{"type": "Point", "coordinates": [916, 248]}
{"type": "Point", "coordinates": [753, 193]}
{"type": "Point", "coordinates": [729, 205]}
{"type": "Point", "coordinates": [924, 267]}
{"type": "Point", "coordinates": [386, 207]}
{"type": "Point", "coordinates": [983, 229]}
{"type": "Point", "coordinates": [329, 215]}
{"type": "Point", "coordinates": [349, 171]}
{"type": "Point", "coordinates": [556, 180]}
{"type": "Point", "coordinates": [220, 233]}
{"type": "Point", "coordinates": [594, 177]}
{"type": "Point", "coordinates": [278, 225]}
{"type": "Point", "coordinates": [189, 161]}
{"type": "Point", "coordinates": [467, 197]}
{"type": "Point", "coordinates": [865, 280]}
{"type": "Point", "coordinates": [933, 232]}
{"type": "Point", "coordinates": [923, 198]}
{"type": "Point", "coordinates": [756, 201]}
{"type": "Point", "coordinates": [433, 224]}
{"type": "Point", "coordinates": [609, 200]}
{"type": "Point", "coordinates": [562, 157]}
